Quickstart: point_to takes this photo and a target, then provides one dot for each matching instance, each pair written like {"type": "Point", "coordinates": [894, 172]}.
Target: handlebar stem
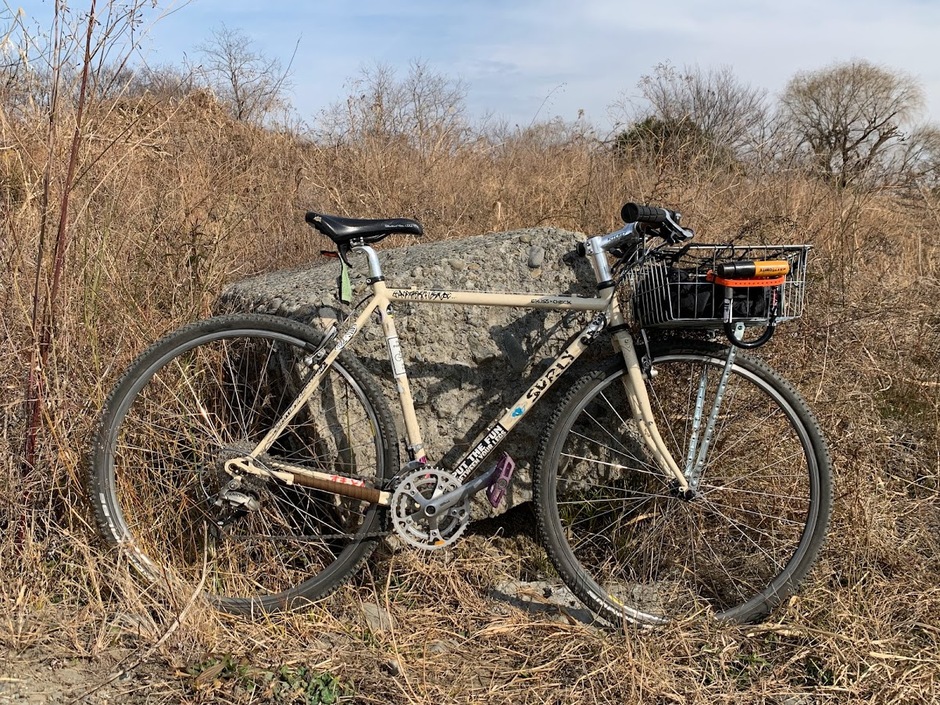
{"type": "Point", "coordinates": [596, 249]}
{"type": "Point", "coordinates": [597, 256]}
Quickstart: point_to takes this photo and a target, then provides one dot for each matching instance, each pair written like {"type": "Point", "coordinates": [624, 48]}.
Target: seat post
{"type": "Point", "coordinates": [375, 267]}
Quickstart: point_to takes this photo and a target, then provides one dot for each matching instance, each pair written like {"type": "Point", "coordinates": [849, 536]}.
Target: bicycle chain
{"type": "Point", "coordinates": [370, 535]}
{"type": "Point", "coordinates": [354, 535]}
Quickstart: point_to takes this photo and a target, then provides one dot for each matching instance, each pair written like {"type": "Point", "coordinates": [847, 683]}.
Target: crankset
{"type": "Point", "coordinates": [414, 516]}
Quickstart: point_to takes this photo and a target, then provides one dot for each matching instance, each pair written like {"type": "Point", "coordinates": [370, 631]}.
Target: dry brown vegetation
{"type": "Point", "coordinates": [174, 198]}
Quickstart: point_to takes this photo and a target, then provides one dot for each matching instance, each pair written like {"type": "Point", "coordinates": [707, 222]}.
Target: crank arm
{"type": "Point", "coordinates": [455, 497]}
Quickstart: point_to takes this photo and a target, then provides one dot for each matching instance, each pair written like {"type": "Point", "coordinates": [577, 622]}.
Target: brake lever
{"type": "Point", "coordinates": [675, 233]}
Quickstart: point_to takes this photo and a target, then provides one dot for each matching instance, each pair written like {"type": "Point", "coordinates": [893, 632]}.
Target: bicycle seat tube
{"type": "Point", "coordinates": [376, 280]}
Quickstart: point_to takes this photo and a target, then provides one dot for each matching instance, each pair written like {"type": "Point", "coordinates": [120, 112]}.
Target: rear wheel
{"type": "Point", "coordinates": [624, 540]}
{"type": "Point", "coordinates": [209, 393]}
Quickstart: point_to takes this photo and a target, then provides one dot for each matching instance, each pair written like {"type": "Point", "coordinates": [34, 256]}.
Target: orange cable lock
{"type": "Point", "coordinates": [747, 273]}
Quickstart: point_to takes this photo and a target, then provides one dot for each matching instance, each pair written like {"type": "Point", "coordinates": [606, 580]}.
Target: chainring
{"type": "Point", "coordinates": [409, 522]}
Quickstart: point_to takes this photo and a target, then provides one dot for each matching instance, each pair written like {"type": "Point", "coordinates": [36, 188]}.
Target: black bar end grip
{"type": "Point", "coordinates": [633, 213]}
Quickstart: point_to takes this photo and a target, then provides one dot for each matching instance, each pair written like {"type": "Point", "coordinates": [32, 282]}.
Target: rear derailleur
{"type": "Point", "coordinates": [234, 501]}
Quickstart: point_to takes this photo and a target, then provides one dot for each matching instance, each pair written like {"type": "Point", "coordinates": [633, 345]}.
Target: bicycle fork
{"type": "Point", "coordinates": [687, 479]}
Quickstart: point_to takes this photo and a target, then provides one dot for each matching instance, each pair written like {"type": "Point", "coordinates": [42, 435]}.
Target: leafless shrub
{"type": "Point", "coordinates": [694, 111]}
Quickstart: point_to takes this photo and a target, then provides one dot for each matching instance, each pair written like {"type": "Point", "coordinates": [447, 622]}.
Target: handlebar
{"type": "Point", "coordinates": [640, 222]}
{"type": "Point", "coordinates": [660, 222]}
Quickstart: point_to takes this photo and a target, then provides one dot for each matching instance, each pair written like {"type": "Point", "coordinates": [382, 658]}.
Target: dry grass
{"type": "Point", "coordinates": [176, 200]}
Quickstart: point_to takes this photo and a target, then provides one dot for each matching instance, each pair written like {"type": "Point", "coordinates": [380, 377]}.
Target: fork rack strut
{"type": "Point", "coordinates": [693, 472]}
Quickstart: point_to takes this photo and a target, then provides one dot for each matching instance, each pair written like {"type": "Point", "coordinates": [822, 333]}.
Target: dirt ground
{"type": "Point", "coordinates": [37, 678]}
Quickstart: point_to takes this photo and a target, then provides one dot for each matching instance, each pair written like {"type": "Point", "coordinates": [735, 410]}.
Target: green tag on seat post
{"type": "Point", "coordinates": [345, 288]}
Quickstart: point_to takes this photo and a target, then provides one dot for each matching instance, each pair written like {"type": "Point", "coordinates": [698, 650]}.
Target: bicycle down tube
{"type": "Point", "coordinates": [607, 312]}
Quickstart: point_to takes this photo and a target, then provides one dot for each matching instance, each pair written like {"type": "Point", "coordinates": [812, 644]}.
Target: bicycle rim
{"type": "Point", "coordinates": [632, 548]}
{"type": "Point", "coordinates": [209, 394]}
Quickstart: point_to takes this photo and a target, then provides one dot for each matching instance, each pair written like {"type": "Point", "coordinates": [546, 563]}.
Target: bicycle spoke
{"type": "Point", "coordinates": [655, 554]}
{"type": "Point", "coordinates": [212, 402]}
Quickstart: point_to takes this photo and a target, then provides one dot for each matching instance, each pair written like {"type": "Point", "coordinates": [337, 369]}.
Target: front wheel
{"type": "Point", "coordinates": [633, 549]}
{"type": "Point", "coordinates": [206, 394]}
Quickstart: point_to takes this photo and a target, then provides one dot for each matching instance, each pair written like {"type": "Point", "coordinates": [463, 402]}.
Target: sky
{"type": "Point", "coordinates": [528, 60]}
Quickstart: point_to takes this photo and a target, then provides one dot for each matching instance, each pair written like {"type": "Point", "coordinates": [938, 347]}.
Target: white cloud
{"type": "Point", "coordinates": [596, 49]}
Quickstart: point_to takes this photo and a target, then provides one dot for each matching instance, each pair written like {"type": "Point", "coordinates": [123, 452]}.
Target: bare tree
{"type": "Point", "coordinates": [856, 122]}
{"type": "Point", "coordinates": [425, 110]}
{"type": "Point", "coordinates": [435, 111]}
{"type": "Point", "coordinates": [251, 83]}
{"type": "Point", "coordinates": [700, 109]}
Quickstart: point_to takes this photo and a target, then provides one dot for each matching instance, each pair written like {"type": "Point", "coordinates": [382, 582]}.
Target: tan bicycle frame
{"type": "Point", "coordinates": [608, 312]}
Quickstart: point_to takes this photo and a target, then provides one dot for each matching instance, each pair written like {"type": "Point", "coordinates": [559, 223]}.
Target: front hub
{"type": "Point", "coordinates": [676, 491]}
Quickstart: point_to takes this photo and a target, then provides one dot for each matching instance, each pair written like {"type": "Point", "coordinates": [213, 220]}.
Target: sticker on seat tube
{"type": "Point", "coordinates": [394, 354]}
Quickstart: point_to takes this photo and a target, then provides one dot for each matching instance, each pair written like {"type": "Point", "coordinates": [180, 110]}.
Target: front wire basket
{"type": "Point", "coordinates": [670, 289]}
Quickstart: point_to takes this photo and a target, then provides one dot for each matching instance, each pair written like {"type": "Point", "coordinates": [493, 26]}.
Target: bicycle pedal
{"type": "Point", "coordinates": [499, 485]}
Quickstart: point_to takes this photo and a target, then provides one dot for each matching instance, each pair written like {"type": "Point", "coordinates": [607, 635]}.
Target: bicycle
{"type": "Point", "coordinates": [681, 477]}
